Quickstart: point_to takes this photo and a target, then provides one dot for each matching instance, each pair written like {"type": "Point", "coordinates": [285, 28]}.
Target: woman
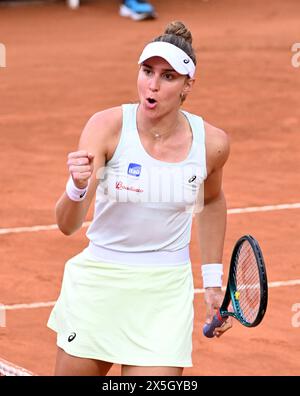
{"type": "Point", "coordinates": [128, 297]}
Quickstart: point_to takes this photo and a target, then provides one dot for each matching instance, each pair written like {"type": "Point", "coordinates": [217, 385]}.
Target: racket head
{"type": "Point", "coordinates": [246, 296]}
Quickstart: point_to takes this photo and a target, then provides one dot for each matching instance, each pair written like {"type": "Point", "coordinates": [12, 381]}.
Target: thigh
{"type": "Point", "coordinates": [155, 370]}
{"type": "Point", "coordinates": [67, 365]}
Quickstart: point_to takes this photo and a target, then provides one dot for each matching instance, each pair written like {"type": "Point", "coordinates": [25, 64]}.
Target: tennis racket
{"type": "Point", "coordinates": [246, 295]}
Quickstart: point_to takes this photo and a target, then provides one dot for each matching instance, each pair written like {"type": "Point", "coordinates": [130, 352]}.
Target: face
{"type": "Point", "coordinates": [160, 87]}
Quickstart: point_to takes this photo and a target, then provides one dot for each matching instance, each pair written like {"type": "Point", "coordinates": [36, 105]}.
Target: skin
{"type": "Point", "coordinates": [99, 139]}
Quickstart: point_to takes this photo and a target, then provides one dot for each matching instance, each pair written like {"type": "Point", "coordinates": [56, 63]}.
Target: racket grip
{"type": "Point", "coordinates": [208, 329]}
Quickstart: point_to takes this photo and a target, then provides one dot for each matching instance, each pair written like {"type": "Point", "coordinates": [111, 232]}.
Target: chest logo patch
{"type": "Point", "coordinates": [134, 169]}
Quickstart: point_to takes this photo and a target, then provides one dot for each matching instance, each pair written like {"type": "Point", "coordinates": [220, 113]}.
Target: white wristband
{"type": "Point", "coordinates": [212, 275]}
{"type": "Point", "coordinates": [75, 193]}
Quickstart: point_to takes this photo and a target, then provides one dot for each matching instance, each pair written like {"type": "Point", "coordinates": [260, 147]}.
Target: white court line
{"type": "Point", "coordinates": [12, 307]}
{"type": "Point", "coordinates": [266, 208]}
{"type": "Point", "coordinates": [27, 306]}
{"type": "Point", "coordinates": [18, 230]}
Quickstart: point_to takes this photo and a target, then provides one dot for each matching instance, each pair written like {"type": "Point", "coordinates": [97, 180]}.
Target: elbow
{"type": "Point", "coordinates": [64, 226]}
{"type": "Point", "coordinates": [65, 230]}
{"type": "Point", "coordinates": [67, 221]}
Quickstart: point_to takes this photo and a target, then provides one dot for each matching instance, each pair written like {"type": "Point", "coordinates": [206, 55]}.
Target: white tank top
{"type": "Point", "coordinates": [144, 204]}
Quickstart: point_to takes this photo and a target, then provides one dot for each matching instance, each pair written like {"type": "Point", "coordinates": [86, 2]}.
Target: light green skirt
{"type": "Point", "coordinates": [123, 314]}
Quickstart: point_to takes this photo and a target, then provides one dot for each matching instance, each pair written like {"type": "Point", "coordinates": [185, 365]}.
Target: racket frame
{"type": "Point", "coordinates": [230, 294]}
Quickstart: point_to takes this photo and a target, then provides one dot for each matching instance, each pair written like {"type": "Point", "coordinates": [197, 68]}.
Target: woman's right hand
{"type": "Point", "coordinates": [81, 166]}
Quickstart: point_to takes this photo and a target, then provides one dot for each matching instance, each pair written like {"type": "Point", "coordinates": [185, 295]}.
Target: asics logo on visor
{"type": "Point", "coordinates": [186, 61]}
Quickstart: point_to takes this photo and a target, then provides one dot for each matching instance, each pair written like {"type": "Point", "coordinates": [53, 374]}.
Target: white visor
{"type": "Point", "coordinates": [177, 58]}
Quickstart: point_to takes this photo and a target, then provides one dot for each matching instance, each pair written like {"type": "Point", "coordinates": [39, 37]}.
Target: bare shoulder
{"type": "Point", "coordinates": [217, 146]}
{"type": "Point", "coordinates": [107, 118]}
{"type": "Point", "coordinates": [102, 131]}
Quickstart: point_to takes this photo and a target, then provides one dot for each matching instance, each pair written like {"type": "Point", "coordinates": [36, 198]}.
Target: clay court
{"type": "Point", "coordinates": [62, 66]}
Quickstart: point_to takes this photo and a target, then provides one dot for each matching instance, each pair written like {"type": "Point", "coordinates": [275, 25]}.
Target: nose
{"type": "Point", "coordinates": [154, 83]}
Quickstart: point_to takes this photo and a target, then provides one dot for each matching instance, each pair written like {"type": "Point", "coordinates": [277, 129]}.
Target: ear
{"type": "Point", "coordinates": [189, 82]}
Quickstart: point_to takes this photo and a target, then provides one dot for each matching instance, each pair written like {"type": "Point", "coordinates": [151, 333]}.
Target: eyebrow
{"type": "Point", "coordinates": [164, 70]}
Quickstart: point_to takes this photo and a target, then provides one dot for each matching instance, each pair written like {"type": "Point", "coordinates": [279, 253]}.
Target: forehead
{"type": "Point", "coordinates": [156, 62]}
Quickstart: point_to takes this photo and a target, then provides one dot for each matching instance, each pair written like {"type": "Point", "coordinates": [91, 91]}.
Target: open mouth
{"type": "Point", "coordinates": [151, 101]}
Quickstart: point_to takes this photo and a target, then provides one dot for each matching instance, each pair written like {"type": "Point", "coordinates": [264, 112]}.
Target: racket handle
{"type": "Point", "coordinates": [208, 329]}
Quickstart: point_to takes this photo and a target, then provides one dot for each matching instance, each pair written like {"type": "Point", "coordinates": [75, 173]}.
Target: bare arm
{"type": "Point", "coordinates": [93, 150]}
{"type": "Point", "coordinates": [211, 222]}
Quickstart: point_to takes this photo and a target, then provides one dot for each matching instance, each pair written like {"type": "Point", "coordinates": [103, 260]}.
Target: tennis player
{"type": "Point", "coordinates": [127, 298]}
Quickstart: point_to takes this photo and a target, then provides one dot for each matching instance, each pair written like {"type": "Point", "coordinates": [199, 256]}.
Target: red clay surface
{"type": "Point", "coordinates": [63, 66]}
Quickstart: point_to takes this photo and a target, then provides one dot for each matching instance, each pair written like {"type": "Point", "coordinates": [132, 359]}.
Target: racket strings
{"type": "Point", "coordinates": [247, 283]}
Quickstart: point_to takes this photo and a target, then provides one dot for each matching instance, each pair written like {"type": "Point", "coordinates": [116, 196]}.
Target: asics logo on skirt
{"type": "Point", "coordinates": [71, 337]}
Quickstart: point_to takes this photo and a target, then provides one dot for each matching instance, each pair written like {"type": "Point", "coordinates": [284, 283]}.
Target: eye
{"type": "Point", "coordinates": [146, 71]}
{"type": "Point", "coordinates": [169, 76]}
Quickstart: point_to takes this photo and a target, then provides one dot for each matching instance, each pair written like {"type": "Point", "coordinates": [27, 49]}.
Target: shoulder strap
{"type": "Point", "coordinates": [198, 129]}
{"type": "Point", "coordinates": [128, 131]}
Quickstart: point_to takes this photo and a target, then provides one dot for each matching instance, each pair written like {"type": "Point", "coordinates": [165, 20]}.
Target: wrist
{"type": "Point", "coordinates": [75, 193]}
{"type": "Point", "coordinates": [212, 275]}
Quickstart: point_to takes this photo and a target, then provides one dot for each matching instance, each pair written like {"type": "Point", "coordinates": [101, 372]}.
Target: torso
{"type": "Point", "coordinates": [160, 185]}
{"type": "Point", "coordinates": [174, 149]}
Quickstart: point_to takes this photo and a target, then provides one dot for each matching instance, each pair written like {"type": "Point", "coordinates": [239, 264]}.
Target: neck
{"type": "Point", "coordinates": [159, 128]}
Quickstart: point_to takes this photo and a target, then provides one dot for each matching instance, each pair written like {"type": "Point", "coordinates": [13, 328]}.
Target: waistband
{"type": "Point", "coordinates": [141, 259]}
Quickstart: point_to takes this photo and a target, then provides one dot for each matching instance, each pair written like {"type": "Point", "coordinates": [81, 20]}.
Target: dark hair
{"type": "Point", "coordinates": [176, 33]}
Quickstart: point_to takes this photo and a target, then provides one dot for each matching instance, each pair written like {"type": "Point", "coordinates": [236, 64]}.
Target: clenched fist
{"type": "Point", "coordinates": [81, 166]}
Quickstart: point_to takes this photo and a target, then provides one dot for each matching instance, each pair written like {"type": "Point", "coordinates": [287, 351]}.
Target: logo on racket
{"type": "Point", "coordinates": [237, 295]}
{"type": "Point", "coordinates": [134, 169]}
{"type": "Point", "coordinates": [71, 337]}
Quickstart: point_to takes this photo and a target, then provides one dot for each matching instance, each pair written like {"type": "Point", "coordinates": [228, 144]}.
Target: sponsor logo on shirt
{"type": "Point", "coordinates": [121, 186]}
{"type": "Point", "coordinates": [134, 169]}
{"type": "Point", "coordinates": [193, 178]}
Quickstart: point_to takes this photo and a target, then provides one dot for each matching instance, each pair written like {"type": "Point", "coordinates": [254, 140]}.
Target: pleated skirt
{"type": "Point", "coordinates": [133, 315]}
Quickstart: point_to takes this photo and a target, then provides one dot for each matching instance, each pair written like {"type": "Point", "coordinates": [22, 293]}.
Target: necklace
{"type": "Point", "coordinates": [158, 135]}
